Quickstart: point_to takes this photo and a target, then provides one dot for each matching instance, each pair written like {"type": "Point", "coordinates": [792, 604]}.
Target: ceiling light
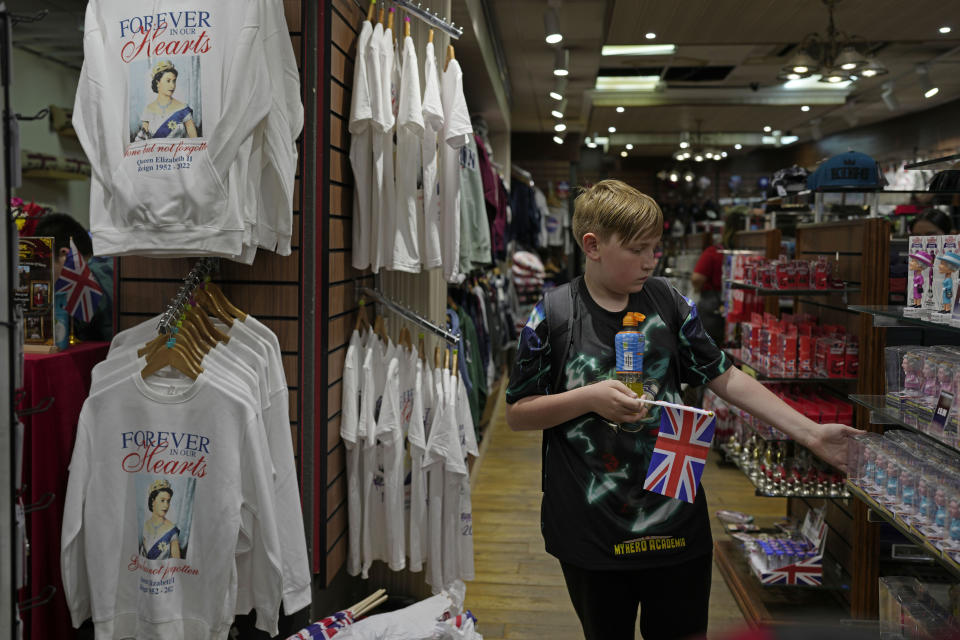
{"type": "Point", "coordinates": [688, 177]}
{"type": "Point", "coordinates": [849, 59]}
{"type": "Point", "coordinates": [612, 129]}
{"type": "Point", "coordinates": [559, 127]}
{"type": "Point", "coordinates": [673, 176]}
{"type": "Point", "coordinates": [561, 62]}
{"type": "Point", "coordinates": [551, 26]}
{"type": "Point", "coordinates": [650, 35]}
{"type": "Point", "coordinates": [709, 155]}
{"type": "Point", "coordinates": [627, 83]}
{"type": "Point", "coordinates": [794, 76]}
{"type": "Point", "coordinates": [738, 146]}
{"type": "Point", "coordinates": [560, 109]}
{"type": "Point", "coordinates": [638, 50]}
{"type": "Point", "coordinates": [559, 88]}
{"type": "Point", "coordinates": [945, 30]}
{"type": "Point", "coordinates": [888, 98]}
{"type": "Point", "coordinates": [684, 144]}
{"type": "Point", "coordinates": [679, 157]}
{"type": "Point", "coordinates": [558, 139]}
{"type": "Point", "coordinates": [686, 155]}
{"type": "Point", "coordinates": [723, 154]}
{"type": "Point", "coordinates": [592, 145]}
{"type": "Point", "coordinates": [556, 114]}
{"type": "Point", "coordinates": [788, 139]}
{"type": "Point", "coordinates": [767, 129]}
{"type": "Point", "coordinates": [623, 154]}
{"type": "Point", "coordinates": [698, 158]}
{"type": "Point", "coordinates": [814, 82]}
{"type": "Point", "coordinates": [929, 89]}
{"type": "Point", "coordinates": [802, 63]}
{"type": "Point", "coordinates": [629, 147]}
{"type": "Point", "coordinates": [620, 109]}
{"type": "Point", "coordinates": [833, 76]}
{"type": "Point", "coordinates": [805, 107]}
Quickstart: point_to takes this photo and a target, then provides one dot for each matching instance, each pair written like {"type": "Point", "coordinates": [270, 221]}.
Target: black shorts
{"type": "Point", "coordinates": [674, 601]}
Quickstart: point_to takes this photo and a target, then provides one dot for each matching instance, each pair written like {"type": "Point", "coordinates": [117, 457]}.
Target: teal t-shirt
{"type": "Point", "coordinates": [595, 513]}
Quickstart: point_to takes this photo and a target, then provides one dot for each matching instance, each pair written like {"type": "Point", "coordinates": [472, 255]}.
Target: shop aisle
{"type": "Point", "coordinates": [518, 592]}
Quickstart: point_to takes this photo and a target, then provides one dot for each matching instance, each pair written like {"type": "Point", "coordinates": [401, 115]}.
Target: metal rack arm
{"type": "Point", "coordinates": [431, 18]}
{"type": "Point", "coordinates": [412, 316]}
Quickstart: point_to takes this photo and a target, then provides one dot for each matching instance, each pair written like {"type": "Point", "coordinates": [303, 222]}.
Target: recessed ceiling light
{"type": "Point", "coordinates": [627, 83]}
{"type": "Point", "coordinates": [767, 129]}
{"type": "Point", "coordinates": [684, 144]}
{"type": "Point", "coordinates": [629, 147]}
{"type": "Point", "coordinates": [688, 177]}
{"type": "Point", "coordinates": [945, 29]}
{"type": "Point", "coordinates": [805, 107]}
{"type": "Point", "coordinates": [620, 109]}
{"type": "Point", "coordinates": [679, 157]}
{"type": "Point", "coordinates": [738, 146]}
{"type": "Point", "coordinates": [638, 50]}
{"type": "Point", "coordinates": [686, 155]}
{"type": "Point", "coordinates": [723, 154]}
{"type": "Point", "coordinates": [674, 177]}
{"type": "Point", "coordinates": [698, 158]}
{"type": "Point", "coordinates": [650, 35]}
{"type": "Point", "coordinates": [623, 154]}
{"type": "Point", "coordinates": [612, 129]}
{"type": "Point", "coordinates": [559, 127]}
{"type": "Point", "coordinates": [709, 155]}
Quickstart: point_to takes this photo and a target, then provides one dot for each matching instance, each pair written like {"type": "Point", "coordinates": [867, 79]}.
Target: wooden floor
{"type": "Point", "coordinates": [519, 592]}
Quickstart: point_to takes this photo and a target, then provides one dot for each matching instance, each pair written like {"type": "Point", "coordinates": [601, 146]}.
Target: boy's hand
{"type": "Point", "coordinates": [829, 443]}
{"type": "Point", "coordinates": [616, 402]}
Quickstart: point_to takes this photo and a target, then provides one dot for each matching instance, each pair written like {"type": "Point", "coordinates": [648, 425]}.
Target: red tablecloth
{"type": "Point", "coordinates": [49, 438]}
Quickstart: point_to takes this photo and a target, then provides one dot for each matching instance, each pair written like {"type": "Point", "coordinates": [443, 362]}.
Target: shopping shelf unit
{"type": "Point", "coordinates": [860, 249]}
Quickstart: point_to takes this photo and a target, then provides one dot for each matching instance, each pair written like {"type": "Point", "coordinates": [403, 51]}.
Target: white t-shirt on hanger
{"type": "Point", "coordinates": [432, 126]}
{"type": "Point", "coordinates": [433, 463]}
{"type": "Point", "coordinates": [468, 446]}
{"type": "Point", "coordinates": [411, 412]}
{"type": "Point", "coordinates": [406, 250]}
{"type": "Point", "coordinates": [454, 472]}
{"type": "Point", "coordinates": [457, 131]}
{"type": "Point", "coordinates": [352, 441]}
{"type": "Point", "coordinates": [385, 219]}
{"type": "Point", "coordinates": [361, 152]}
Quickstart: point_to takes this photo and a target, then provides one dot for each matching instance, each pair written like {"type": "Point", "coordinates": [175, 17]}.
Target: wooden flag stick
{"type": "Point", "coordinates": [661, 403]}
{"type": "Point", "coordinates": [373, 596]}
{"type": "Point", "coordinates": [370, 607]}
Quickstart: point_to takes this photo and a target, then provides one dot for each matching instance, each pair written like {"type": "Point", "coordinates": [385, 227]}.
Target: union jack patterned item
{"type": "Point", "coordinates": [808, 572]}
{"type": "Point", "coordinates": [83, 291]}
{"type": "Point", "coordinates": [326, 628]}
{"type": "Point", "coordinates": [680, 453]}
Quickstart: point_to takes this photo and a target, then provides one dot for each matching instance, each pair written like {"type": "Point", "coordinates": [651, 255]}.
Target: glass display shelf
{"type": "Point", "coordinates": [886, 315]}
{"type": "Point", "coordinates": [762, 492]}
{"type": "Point", "coordinates": [736, 284]}
{"type": "Point", "coordinates": [946, 559]}
{"type": "Point", "coordinates": [882, 413]}
{"type": "Point", "coordinates": [755, 372]}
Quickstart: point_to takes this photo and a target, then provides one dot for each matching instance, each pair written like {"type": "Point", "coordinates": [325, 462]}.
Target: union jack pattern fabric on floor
{"type": "Point", "coordinates": [83, 291]}
{"type": "Point", "coordinates": [680, 453]}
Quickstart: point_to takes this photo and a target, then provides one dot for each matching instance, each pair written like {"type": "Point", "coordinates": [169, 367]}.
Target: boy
{"type": "Point", "coordinates": [618, 545]}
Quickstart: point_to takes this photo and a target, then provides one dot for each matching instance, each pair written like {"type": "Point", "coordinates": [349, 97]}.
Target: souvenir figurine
{"type": "Point", "coordinates": [869, 467]}
{"type": "Point", "coordinates": [923, 501]}
{"type": "Point", "coordinates": [940, 515]}
{"type": "Point", "coordinates": [929, 375]}
{"type": "Point", "coordinates": [920, 261]}
{"type": "Point", "coordinates": [911, 370]}
{"type": "Point", "coordinates": [947, 264]}
{"type": "Point", "coordinates": [908, 491]}
{"type": "Point", "coordinates": [893, 481]}
{"type": "Point", "coordinates": [954, 523]}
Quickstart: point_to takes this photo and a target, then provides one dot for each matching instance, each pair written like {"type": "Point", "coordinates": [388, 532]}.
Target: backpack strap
{"type": "Point", "coordinates": [559, 305]}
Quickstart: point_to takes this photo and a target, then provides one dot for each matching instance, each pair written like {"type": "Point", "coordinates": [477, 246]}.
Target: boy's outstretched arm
{"type": "Point", "coordinates": [827, 441]}
{"type": "Point", "coordinates": [610, 398]}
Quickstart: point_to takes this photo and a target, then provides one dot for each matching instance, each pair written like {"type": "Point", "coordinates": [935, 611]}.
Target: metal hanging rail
{"type": "Point", "coordinates": [173, 311]}
{"type": "Point", "coordinates": [926, 163]}
{"type": "Point", "coordinates": [431, 18]}
{"type": "Point", "coordinates": [411, 315]}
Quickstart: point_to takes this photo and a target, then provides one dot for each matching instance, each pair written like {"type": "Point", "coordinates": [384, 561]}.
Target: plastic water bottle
{"type": "Point", "coordinates": [630, 347]}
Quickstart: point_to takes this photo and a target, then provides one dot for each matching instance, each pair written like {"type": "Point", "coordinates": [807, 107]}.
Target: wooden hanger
{"type": "Point", "coordinates": [158, 341]}
{"type": "Point", "coordinates": [372, 11]}
{"type": "Point", "coordinates": [453, 363]}
{"type": "Point", "coordinates": [172, 356]}
{"type": "Point", "coordinates": [450, 56]}
{"type": "Point", "coordinates": [213, 307]}
{"type": "Point", "coordinates": [217, 294]}
{"type": "Point", "coordinates": [382, 10]}
{"type": "Point", "coordinates": [437, 358]}
{"type": "Point", "coordinates": [362, 323]}
{"type": "Point", "coordinates": [203, 324]}
{"type": "Point", "coordinates": [430, 36]}
{"type": "Point", "coordinates": [390, 19]}
{"type": "Point", "coordinates": [194, 350]}
{"type": "Point", "coordinates": [422, 349]}
{"type": "Point", "coordinates": [380, 329]}
{"type": "Point", "coordinates": [405, 339]}
{"type": "Point", "coordinates": [406, 26]}
{"type": "Point", "coordinates": [446, 358]}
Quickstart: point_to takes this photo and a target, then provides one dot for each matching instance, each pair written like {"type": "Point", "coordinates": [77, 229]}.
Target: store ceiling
{"type": "Point", "coordinates": [754, 38]}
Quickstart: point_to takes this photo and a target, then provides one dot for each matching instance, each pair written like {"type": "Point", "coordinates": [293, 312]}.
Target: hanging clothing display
{"type": "Point", "coordinates": [192, 515]}
{"type": "Point", "coordinates": [205, 161]}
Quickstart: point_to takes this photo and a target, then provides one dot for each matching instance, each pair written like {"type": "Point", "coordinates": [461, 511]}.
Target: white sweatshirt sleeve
{"type": "Point", "coordinates": [73, 559]}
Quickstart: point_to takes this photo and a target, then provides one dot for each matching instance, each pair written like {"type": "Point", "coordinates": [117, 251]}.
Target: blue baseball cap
{"type": "Point", "coordinates": [850, 170]}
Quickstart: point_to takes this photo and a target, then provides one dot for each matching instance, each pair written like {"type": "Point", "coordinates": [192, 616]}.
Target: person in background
{"type": "Point", "coordinates": [932, 222]}
{"type": "Point", "coordinates": [707, 277]}
{"type": "Point", "coordinates": [61, 227]}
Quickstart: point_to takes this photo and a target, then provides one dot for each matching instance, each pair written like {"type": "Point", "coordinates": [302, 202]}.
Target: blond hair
{"type": "Point", "coordinates": [613, 207]}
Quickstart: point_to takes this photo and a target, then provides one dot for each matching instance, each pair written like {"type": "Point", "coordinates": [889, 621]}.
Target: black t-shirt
{"type": "Point", "coordinates": [595, 512]}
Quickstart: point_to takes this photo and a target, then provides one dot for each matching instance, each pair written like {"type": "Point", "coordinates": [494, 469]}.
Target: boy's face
{"type": "Point", "coordinates": [625, 268]}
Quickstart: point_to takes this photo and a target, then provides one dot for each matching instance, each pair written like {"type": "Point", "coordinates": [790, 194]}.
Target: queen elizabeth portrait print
{"type": "Point", "coordinates": [165, 514]}
{"type": "Point", "coordinates": [165, 99]}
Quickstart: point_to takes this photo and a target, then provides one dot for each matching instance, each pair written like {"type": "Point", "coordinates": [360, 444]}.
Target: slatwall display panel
{"type": "Point", "coordinates": [269, 289]}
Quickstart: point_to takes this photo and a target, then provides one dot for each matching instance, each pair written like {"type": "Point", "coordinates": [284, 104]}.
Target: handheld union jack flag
{"type": "Point", "coordinates": [83, 291]}
{"type": "Point", "coordinates": [680, 453]}
{"type": "Point", "coordinates": [808, 572]}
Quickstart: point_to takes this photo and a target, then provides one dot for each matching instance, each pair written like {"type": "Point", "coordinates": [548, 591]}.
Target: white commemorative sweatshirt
{"type": "Point", "coordinates": [169, 92]}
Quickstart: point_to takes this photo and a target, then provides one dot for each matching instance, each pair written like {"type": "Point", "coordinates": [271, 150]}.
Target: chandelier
{"type": "Point", "coordinates": [835, 56]}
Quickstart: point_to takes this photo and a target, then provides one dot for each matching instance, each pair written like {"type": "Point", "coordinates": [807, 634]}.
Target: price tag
{"type": "Point", "coordinates": [939, 422]}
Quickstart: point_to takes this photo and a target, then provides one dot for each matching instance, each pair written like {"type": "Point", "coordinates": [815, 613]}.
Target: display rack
{"type": "Point", "coordinates": [763, 376]}
{"type": "Point", "coordinates": [412, 316]}
{"type": "Point", "coordinates": [817, 203]}
{"type": "Point", "coordinates": [761, 291]}
{"type": "Point", "coordinates": [883, 414]}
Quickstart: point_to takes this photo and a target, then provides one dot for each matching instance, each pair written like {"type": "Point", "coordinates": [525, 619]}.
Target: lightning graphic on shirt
{"type": "Point", "coordinates": [647, 520]}
{"type": "Point", "coordinates": [578, 370]}
{"type": "Point", "coordinates": [597, 490]}
{"type": "Point", "coordinates": [576, 433]}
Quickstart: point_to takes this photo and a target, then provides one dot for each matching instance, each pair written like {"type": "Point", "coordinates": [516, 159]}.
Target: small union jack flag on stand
{"type": "Point", "coordinates": [809, 572]}
{"type": "Point", "coordinates": [77, 281]}
{"type": "Point", "coordinates": [680, 452]}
